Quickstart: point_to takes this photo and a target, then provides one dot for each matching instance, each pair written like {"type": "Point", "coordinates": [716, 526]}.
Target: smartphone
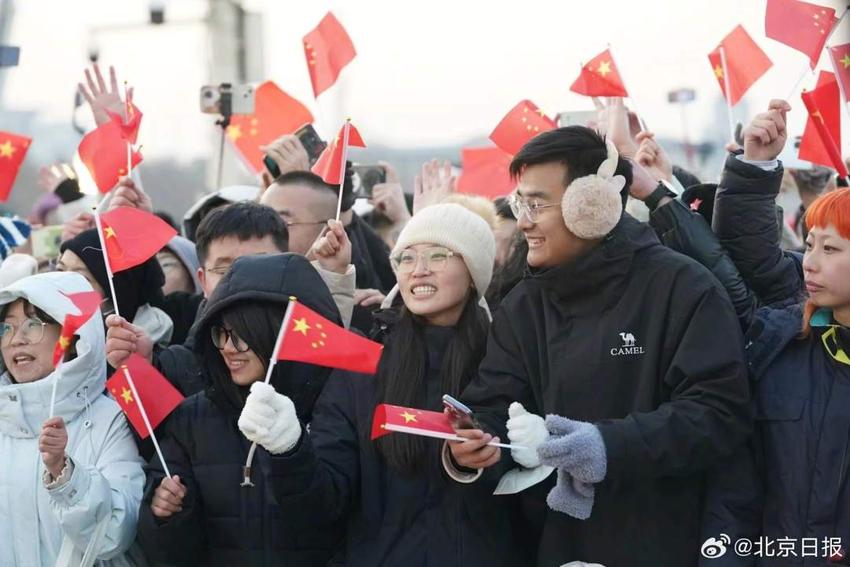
{"type": "Point", "coordinates": [312, 143]}
{"type": "Point", "coordinates": [366, 177]}
{"type": "Point", "coordinates": [460, 415]}
{"type": "Point", "coordinates": [227, 99]}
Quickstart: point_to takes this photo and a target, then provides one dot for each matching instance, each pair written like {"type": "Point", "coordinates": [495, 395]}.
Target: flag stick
{"type": "Point", "coordinates": [127, 118]}
{"type": "Point", "coordinates": [99, 226]}
{"type": "Point", "coordinates": [797, 83]}
{"type": "Point", "coordinates": [55, 384]}
{"type": "Point", "coordinates": [246, 471]}
{"type": "Point", "coordinates": [344, 156]}
{"type": "Point", "coordinates": [728, 93]}
{"type": "Point", "coordinates": [145, 419]}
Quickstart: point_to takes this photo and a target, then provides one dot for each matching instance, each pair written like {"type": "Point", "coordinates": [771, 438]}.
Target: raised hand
{"type": "Point", "coordinates": [766, 135]}
{"type": "Point", "coordinates": [433, 185]}
{"type": "Point", "coordinates": [333, 248]}
{"type": "Point", "coordinates": [101, 98]}
{"type": "Point", "coordinates": [653, 157]}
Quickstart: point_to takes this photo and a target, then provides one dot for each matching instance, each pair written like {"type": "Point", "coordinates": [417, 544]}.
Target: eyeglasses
{"type": "Point", "coordinates": [306, 223]}
{"type": "Point", "coordinates": [435, 259]}
{"type": "Point", "coordinates": [32, 331]}
{"type": "Point", "coordinates": [220, 335]}
{"type": "Point", "coordinates": [218, 270]}
{"type": "Point", "coordinates": [531, 210]}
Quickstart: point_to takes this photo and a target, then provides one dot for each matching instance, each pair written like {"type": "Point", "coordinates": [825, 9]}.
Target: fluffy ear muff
{"type": "Point", "coordinates": [591, 205]}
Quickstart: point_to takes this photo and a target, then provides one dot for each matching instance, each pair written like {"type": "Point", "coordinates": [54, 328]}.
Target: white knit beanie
{"type": "Point", "coordinates": [458, 229]}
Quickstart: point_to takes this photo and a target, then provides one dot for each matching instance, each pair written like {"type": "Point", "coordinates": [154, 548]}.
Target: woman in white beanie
{"type": "Point", "coordinates": [400, 506]}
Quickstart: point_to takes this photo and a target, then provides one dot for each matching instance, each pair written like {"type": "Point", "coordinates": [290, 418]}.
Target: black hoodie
{"type": "Point", "coordinates": [642, 342]}
{"type": "Point", "coordinates": [222, 523]}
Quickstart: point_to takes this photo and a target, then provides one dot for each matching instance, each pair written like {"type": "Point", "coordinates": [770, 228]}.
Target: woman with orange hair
{"type": "Point", "coordinates": [788, 490]}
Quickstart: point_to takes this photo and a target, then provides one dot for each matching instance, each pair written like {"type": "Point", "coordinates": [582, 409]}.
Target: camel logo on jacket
{"type": "Point", "coordinates": [628, 348]}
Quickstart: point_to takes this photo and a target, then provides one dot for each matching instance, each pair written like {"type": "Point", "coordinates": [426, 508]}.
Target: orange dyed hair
{"type": "Point", "coordinates": [831, 208]}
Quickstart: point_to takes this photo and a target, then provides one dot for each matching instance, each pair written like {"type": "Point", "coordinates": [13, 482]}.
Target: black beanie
{"type": "Point", "coordinates": [134, 287]}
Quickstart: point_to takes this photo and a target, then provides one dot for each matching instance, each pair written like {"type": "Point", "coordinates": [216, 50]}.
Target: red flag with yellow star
{"type": "Point", "coordinates": [129, 123]}
{"type": "Point", "coordinates": [840, 55]}
{"type": "Point", "coordinates": [821, 141]}
{"type": "Point", "coordinates": [328, 49]}
{"type": "Point", "coordinates": [313, 339]}
{"type": "Point", "coordinates": [158, 396]}
{"type": "Point", "coordinates": [600, 77]}
{"type": "Point", "coordinates": [522, 123]}
{"type": "Point", "coordinates": [275, 114]}
{"type": "Point", "coordinates": [485, 172]}
{"type": "Point", "coordinates": [87, 302]}
{"type": "Point", "coordinates": [13, 149]}
{"type": "Point", "coordinates": [329, 163]}
{"type": "Point", "coordinates": [800, 25]}
{"type": "Point", "coordinates": [104, 153]}
{"type": "Point", "coordinates": [390, 418]}
{"type": "Point", "coordinates": [132, 236]}
{"type": "Point", "coordinates": [745, 63]}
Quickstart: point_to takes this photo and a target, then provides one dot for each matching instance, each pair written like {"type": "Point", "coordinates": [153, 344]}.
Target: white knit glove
{"type": "Point", "coordinates": [269, 419]}
{"type": "Point", "coordinates": [529, 431]}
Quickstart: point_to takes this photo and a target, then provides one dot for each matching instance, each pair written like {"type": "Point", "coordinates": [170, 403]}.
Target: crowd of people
{"type": "Point", "coordinates": [649, 392]}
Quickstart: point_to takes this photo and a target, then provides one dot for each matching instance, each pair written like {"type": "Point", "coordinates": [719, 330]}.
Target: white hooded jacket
{"type": "Point", "coordinates": [94, 513]}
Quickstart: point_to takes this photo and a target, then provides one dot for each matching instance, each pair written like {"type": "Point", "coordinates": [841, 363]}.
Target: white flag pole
{"type": "Point", "coordinates": [145, 419]}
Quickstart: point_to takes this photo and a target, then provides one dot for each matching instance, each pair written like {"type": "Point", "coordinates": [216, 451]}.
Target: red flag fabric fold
{"type": "Point", "coordinates": [800, 25]}
{"type": "Point", "coordinates": [313, 339]}
{"type": "Point", "coordinates": [104, 153]}
{"type": "Point", "coordinates": [87, 302]}
{"type": "Point", "coordinates": [329, 163]}
{"type": "Point", "coordinates": [13, 150]}
{"type": "Point", "coordinates": [745, 63]}
{"type": "Point", "coordinates": [328, 50]}
{"type": "Point", "coordinates": [600, 77]}
{"type": "Point", "coordinates": [158, 396]}
{"type": "Point", "coordinates": [821, 141]}
{"type": "Point", "coordinates": [840, 56]}
{"type": "Point", "coordinates": [523, 122]}
{"type": "Point", "coordinates": [132, 236]}
{"type": "Point", "coordinates": [389, 418]}
{"type": "Point", "coordinates": [485, 172]}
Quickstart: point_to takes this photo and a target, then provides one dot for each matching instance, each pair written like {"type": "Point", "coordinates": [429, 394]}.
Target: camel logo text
{"type": "Point", "coordinates": [628, 348]}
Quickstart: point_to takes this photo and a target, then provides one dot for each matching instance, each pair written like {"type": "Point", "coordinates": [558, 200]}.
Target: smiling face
{"type": "Point", "coordinates": [826, 266]}
{"type": "Point", "coordinates": [439, 291]}
{"type": "Point", "coordinates": [550, 244]}
{"type": "Point", "coordinates": [244, 365]}
{"type": "Point", "coordinates": [27, 343]}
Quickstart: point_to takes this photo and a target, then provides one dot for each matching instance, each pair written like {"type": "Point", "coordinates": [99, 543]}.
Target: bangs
{"type": "Point", "coordinates": [831, 208]}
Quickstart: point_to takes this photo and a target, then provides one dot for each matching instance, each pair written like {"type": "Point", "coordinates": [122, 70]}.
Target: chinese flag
{"type": "Point", "coordinates": [313, 339]}
{"type": "Point", "coordinates": [328, 165]}
{"type": "Point", "coordinates": [328, 49]}
{"type": "Point", "coordinates": [485, 172]}
{"type": "Point", "coordinates": [800, 25]}
{"type": "Point", "coordinates": [132, 236]}
{"type": "Point", "coordinates": [13, 149]}
{"type": "Point", "coordinates": [600, 77]}
{"type": "Point", "coordinates": [275, 114]}
{"type": "Point", "coordinates": [745, 62]}
{"type": "Point", "coordinates": [158, 396]}
{"type": "Point", "coordinates": [840, 55]}
{"type": "Point", "coordinates": [522, 123]}
{"type": "Point", "coordinates": [104, 153]}
{"type": "Point", "coordinates": [130, 126]}
{"type": "Point", "coordinates": [821, 142]}
{"type": "Point", "coordinates": [409, 420]}
{"type": "Point", "coordinates": [87, 302]}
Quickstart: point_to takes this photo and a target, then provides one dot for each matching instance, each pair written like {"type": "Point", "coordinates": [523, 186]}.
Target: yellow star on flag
{"type": "Point", "coordinates": [604, 68]}
{"type": "Point", "coordinates": [127, 395]}
{"type": "Point", "coordinates": [301, 326]}
{"type": "Point", "coordinates": [408, 417]}
{"type": "Point", "coordinates": [234, 132]}
{"type": "Point", "coordinates": [108, 232]}
{"type": "Point", "coordinates": [846, 60]}
{"type": "Point", "coordinates": [64, 342]}
{"type": "Point", "coordinates": [7, 149]}
{"type": "Point", "coordinates": [718, 72]}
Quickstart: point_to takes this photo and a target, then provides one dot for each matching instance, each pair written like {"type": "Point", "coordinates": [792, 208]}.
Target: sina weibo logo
{"type": "Point", "coordinates": [629, 346]}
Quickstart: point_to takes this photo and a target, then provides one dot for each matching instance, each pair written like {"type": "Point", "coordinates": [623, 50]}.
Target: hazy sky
{"type": "Point", "coordinates": [437, 72]}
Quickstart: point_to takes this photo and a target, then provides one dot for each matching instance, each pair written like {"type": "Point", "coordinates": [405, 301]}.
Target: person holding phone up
{"type": "Point", "coordinates": [400, 506]}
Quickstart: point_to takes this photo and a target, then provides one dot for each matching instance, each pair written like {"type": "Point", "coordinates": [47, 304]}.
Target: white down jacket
{"type": "Point", "coordinates": [93, 516]}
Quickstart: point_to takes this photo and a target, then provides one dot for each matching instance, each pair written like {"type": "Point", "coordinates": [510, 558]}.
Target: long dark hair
{"type": "Point", "coordinates": [257, 323]}
{"type": "Point", "coordinates": [510, 273]}
{"type": "Point", "coordinates": [401, 374]}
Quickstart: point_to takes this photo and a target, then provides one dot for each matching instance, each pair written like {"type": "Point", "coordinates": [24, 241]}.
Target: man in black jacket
{"type": "Point", "coordinates": [637, 347]}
